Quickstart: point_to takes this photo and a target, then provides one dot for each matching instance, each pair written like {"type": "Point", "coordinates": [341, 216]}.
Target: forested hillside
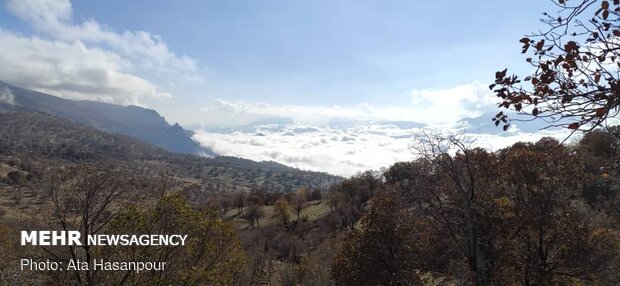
{"type": "Point", "coordinates": [36, 141]}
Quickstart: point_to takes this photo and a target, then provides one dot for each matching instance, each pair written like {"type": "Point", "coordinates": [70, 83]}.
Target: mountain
{"type": "Point", "coordinates": [404, 124]}
{"type": "Point", "coordinates": [272, 123]}
{"type": "Point", "coordinates": [141, 123]}
{"type": "Point", "coordinates": [274, 120]}
{"type": "Point", "coordinates": [44, 140]}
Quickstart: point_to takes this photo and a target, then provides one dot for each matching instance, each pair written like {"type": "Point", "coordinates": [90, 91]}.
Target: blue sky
{"type": "Point", "coordinates": [239, 55]}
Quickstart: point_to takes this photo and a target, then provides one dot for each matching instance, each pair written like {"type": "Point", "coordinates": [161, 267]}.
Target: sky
{"type": "Point", "coordinates": [208, 64]}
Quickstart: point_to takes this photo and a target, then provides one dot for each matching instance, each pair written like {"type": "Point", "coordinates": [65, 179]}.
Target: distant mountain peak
{"type": "Point", "coordinates": [274, 120]}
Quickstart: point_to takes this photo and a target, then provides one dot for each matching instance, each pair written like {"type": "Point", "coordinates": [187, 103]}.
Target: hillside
{"type": "Point", "coordinates": [141, 123]}
{"type": "Point", "coordinates": [45, 140]}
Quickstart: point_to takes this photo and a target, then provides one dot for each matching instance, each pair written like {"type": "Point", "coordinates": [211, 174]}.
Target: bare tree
{"type": "Point", "coordinates": [239, 200]}
{"type": "Point", "coordinates": [299, 199]}
{"type": "Point", "coordinates": [454, 207]}
{"type": "Point", "coordinates": [282, 213]}
{"type": "Point", "coordinates": [86, 198]}
{"type": "Point", "coordinates": [253, 214]}
{"type": "Point", "coordinates": [316, 195]}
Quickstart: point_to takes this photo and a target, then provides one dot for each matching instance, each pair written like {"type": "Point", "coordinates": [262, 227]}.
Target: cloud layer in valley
{"type": "Point", "coordinates": [84, 60]}
{"type": "Point", "coordinates": [345, 140]}
{"type": "Point", "coordinates": [340, 151]}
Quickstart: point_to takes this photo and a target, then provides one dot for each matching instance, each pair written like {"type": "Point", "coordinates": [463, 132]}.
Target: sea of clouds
{"type": "Point", "coordinates": [343, 150]}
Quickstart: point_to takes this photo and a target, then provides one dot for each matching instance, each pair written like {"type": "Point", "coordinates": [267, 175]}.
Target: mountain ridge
{"type": "Point", "coordinates": [138, 122]}
{"type": "Point", "coordinates": [55, 141]}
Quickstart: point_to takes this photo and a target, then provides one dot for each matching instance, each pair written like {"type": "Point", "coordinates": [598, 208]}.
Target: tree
{"type": "Point", "coordinates": [599, 143]}
{"type": "Point", "coordinates": [225, 201]}
{"type": "Point", "coordinates": [253, 213]}
{"type": "Point", "coordinates": [86, 198]}
{"type": "Point", "coordinates": [599, 150]}
{"type": "Point", "coordinates": [454, 201]}
{"type": "Point", "coordinates": [212, 254]}
{"type": "Point", "coordinates": [514, 217]}
{"type": "Point", "coordinates": [401, 174]}
{"type": "Point", "coordinates": [541, 238]}
{"type": "Point", "coordinates": [355, 191]}
{"type": "Point", "coordinates": [335, 198]}
{"type": "Point", "coordinates": [239, 200]}
{"type": "Point", "coordinates": [384, 251]}
{"type": "Point", "coordinates": [299, 199]}
{"type": "Point", "coordinates": [576, 58]}
{"type": "Point", "coordinates": [316, 195]}
{"type": "Point", "coordinates": [282, 212]}
{"type": "Point", "coordinates": [315, 269]}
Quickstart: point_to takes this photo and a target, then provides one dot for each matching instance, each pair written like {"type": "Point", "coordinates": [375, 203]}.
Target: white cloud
{"type": "Point", "coordinates": [71, 70]}
{"type": "Point", "coordinates": [42, 14]}
{"type": "Point", "coordinates": [430, 106]}
{"type": "Point", "coordinates": [86, 60]}
{"type": "Point", "coordinates": [452, 104]}
{"type": "Point", "coordinates": [243, 112]}
{"type": "Point", "coordinates": [55, 18]}
{"type": "Point", "coordinates": [338, 151]}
